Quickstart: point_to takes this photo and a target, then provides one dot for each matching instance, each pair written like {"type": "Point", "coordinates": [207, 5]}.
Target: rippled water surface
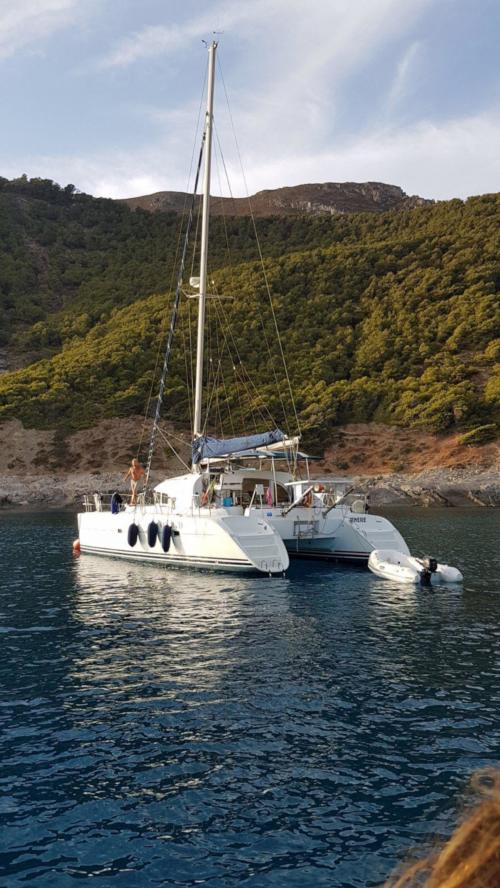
{"type": "Point", "coordinates": [161, 727]}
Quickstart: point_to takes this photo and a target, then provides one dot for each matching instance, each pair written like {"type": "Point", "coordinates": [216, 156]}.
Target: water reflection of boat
{"type": "Point", "coordinates": [145, 625]}
{"type": "Point", "coordinates": [100, 580]}
{"type": "Point", "coordinates": [109, 588]}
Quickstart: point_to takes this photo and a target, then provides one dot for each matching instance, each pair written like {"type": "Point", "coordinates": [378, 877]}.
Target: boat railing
{"type": "Point", "coordinates": [102, 502]}
{"type": "Point", "coordinates": [356, 502]}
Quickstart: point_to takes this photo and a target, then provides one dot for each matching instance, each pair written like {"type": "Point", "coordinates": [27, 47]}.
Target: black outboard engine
{"type": "Point", "coordinates": [429, 566]}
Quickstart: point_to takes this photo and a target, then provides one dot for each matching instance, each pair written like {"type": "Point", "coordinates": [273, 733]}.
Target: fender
{"type": "Point", "coordinates": [152, 533]}
{"type": "Point", "coordinates": [132, 535]}
{"type": "Point", "coordinates": [166, 536]}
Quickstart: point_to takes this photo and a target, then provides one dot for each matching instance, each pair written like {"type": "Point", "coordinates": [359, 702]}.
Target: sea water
{"type": "Point", "coordinates": [167, 727]}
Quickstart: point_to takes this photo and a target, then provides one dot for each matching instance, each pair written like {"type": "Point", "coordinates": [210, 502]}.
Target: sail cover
{"type": "Point", "coordinates": [205, 447]}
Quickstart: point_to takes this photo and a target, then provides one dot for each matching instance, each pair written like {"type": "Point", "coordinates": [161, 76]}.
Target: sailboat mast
{"type": "Point", "coordinates": [204, 241]}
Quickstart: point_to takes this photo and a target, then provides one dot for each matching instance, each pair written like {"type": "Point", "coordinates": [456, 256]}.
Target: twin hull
{"type": "Point", "coordinates": [222, 542]}
{"type": "Point", "coordinates": [255, 541]}
{"type": "Point", "coordinates": [341, 535]}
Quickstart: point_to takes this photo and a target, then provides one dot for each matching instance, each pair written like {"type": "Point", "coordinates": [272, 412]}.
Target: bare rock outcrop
{"type": "Point", "coordinates": [315, 199]}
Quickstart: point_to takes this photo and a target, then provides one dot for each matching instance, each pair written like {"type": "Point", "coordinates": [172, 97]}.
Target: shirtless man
{"type": "Point", "coordinates": [135, 473]}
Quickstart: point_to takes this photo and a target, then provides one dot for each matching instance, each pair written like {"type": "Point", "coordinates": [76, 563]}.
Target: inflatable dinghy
{"type": "Point", "coordinates": [392, 565]}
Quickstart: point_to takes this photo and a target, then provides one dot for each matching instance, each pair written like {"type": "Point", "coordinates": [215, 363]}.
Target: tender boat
{"type": "Point", "coordinates": [393, 565]}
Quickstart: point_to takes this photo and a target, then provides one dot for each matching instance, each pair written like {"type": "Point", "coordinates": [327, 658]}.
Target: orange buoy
{"type": "Point", "coordinates": [76, 547]}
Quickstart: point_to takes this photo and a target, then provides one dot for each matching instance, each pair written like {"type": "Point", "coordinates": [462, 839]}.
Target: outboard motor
{"type": "Point", "coordinates": [429, 567]}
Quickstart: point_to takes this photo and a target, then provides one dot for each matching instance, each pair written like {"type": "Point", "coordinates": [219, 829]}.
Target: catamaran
{"type": "Point", "coordinates": [235, 509]}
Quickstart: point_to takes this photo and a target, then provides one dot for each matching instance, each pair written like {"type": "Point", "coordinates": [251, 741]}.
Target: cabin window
{"type": "Point", "coordinates": [281, 494]}
{"type": "Point", "coordinates": [249, 485]}
{"type": "Point", "coordinates": [162, 499]}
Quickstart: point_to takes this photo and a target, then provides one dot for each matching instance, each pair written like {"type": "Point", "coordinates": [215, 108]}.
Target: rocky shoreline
{"type": "Point", "coordinates": [434, 487]}
{"type": "Point", "coordinates": [48, 470]}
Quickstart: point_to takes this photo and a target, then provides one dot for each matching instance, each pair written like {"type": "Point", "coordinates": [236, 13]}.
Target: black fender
{"type": "Point", "coordinates": [152, 533]}
{"type": "Point", "coordinates": [132, 535]}
{"type": "Point", "coordinates": [166, 536]}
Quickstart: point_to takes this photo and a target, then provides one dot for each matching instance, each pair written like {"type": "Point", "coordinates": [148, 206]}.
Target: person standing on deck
{"type": "Point", "coordinates": [135, 473]}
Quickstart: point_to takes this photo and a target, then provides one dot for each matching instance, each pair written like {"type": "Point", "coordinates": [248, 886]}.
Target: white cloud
{"type": "Point", "coordinates": [150, 41]}
{"type": "Point", "coordinates": [405, 71]}
{"type": "Point", "coordinates": [155, 40]}
{"type": "Point", "coordinates": [289, 68]}
{"type": "Point", "coordinates": [27, 21]}
{"type": "Point", "coordinates": [295, 59]}
{"type": "Point", "coordinates": [458, 158]}
{"type": "Point", "coordinates": [328, 28]}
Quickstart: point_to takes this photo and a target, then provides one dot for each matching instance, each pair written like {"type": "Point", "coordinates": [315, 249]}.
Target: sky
{"type": "Point", "coordinates": [106, 94]}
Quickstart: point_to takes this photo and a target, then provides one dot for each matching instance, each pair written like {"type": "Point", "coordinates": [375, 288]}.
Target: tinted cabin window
{"type": "Point", "coordinates": [281, 494]}
{"type": "Point", "coordinates": [248, 488]}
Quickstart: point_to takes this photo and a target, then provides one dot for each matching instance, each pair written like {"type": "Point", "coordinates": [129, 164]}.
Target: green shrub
{"type": "Point", "coordinates": [480, 435]}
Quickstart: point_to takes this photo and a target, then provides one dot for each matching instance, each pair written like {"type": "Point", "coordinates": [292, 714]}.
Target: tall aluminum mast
{"type": "Point", "coordinates": [204, 241]}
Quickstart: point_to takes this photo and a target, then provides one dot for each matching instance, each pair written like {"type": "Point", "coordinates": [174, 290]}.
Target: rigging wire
{"type": "Point", "coordinates": [174, 266]}
{"type": "Point", "coordinates": [217, 345]}
{"type": "Point", "coordinates": [225, 324]}
{"type": "Point", "coordinates": [260, 253]}
{"type": "Point", "coordinates": [264, 331]}
{"type": "Point", "coordinates": [195, 239]}
{"type": "Point", "coordinates": [181, 440]}
{"type": "Point", "coordinates": [160, 341]}
{"type": "Point", "coordinates": [173, 319]}
{"type": "Point", "coordinates": [211, 397]}
{"type": "Point", "coordinates": [187, 375]}
{"type": "Point", "coordinates": [253, 407]}
{"type": "Point", "coordinates": [226, 394]}
{"type": "Point", "coordinates": [209, 372]}
{"type": "Point", "coordinates": [172, 448]}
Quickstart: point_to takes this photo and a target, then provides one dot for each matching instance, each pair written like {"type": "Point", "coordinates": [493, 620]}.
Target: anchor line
{"type": "Point", "coordinates": [173, 320]}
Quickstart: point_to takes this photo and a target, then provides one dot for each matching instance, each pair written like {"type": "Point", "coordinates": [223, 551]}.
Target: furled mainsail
{"type": "Point", "coordinates": [205, 447]}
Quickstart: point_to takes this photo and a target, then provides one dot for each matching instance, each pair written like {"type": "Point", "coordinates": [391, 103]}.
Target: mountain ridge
{"type": "Point", "coordinates": [310, 199]}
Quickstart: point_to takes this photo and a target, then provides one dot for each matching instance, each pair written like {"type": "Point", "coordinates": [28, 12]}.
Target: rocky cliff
{"type": "Point", "coordinates": [323, 199]}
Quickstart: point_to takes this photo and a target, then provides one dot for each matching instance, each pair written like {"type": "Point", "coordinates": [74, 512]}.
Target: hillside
{"type": "Point", "coordinates": [67, 259]}
{"type": "Point", "coordinates": [391, 317]}
{"type": "Point", "coordinates": [396, 466]}
{"type": "Point", "coordinates": [317, 199]}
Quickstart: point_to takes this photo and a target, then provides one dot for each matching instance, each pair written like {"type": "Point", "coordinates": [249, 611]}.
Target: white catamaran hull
{"type": "Point", "coordinates": [221, 543]}
{"type": "Point", "coordinates": [302, 527]}
{"type": "Point", "coordinates": [349, 538]}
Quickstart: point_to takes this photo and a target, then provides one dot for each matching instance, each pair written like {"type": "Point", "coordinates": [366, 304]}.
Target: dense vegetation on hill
{"type": "Point", "coordinates": [391, 317]}
{"type": "Point", "coordinates": [68, 259]}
